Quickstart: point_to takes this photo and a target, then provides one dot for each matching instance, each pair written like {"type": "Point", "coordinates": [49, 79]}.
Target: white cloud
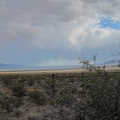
{"type": "Point", "coordinates": [94, 37]}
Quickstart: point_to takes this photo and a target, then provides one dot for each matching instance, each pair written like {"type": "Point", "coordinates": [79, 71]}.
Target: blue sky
{"type": "Point", "coordinates": [57, 32]}
{"type": "Point", "coordinates": [109, 23]}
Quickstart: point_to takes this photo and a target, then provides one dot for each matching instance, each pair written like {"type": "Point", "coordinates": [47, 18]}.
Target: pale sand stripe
{"type": "Point", "coordinates": [108, 69]}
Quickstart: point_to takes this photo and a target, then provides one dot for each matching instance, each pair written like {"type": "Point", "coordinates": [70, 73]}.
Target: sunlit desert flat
{"type": "Point", "coordinates": [50, 71]}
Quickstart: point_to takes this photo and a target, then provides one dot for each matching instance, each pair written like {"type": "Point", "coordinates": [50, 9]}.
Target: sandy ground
{"type": "Point", "coordinates": [108, 69]}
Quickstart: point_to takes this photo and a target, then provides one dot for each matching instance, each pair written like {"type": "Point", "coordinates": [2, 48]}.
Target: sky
{"type": "Point", "coordinates": [57, 32]}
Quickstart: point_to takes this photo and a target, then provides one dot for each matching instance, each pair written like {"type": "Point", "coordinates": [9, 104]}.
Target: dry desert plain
{"type": "Point", "coordinates": [50, 71]}
{"type": "Point", "coordinates": [34, 95]}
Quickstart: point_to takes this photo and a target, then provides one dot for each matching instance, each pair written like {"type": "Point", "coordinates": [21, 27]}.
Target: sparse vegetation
{"type": "Point", "coordinates": [38, 97]}
{"type": "Point", "coordinates": [71, 96]}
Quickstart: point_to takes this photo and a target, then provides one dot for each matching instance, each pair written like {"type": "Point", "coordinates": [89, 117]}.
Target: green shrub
{"type": "Point", "coordinates": [18, 102]}
{"type": "Point", "coordinates": [18, 90]}
{"type": "Point", "coordinates": [101, 101]}
{"type": "Point", "coordinates": [8, 79]}
{"type": "Point", "coordinates": [30, 82]}
{"type": "Point", "coordinates": [7, 82]}
{"type": "Point", "coordinates": [6, 104]}
{"type": "Point", "coordinates": [22, 79]}
{"type": "Point", "coordinates": [38, 97]}
{"type": "Point", "coordinates": [9, 103]}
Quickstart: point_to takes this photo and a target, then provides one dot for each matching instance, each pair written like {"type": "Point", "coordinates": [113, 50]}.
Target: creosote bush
{"type": "Point", "coordinates": [30, 82]}
{"type": "Point", "coordinates": [18, 89]}
{"type": "Point", "coordinates": [38, 97]}
{"type": "Point", "coordinates": [101, 100]}
{"type": "Point", "coordinates": [7, 82]}
{"type": "Point", "coordinates": [9, 103]}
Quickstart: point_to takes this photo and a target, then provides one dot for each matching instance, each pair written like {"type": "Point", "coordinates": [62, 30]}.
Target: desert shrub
{"type": "Point", "coordinates": [18, 89]}
{"type": "Point", "coordinates": [6, 104]}
{"type": "Point", "coordinates": [38, 97]}
{"type": "Point", "coordinates": [33, 117]}
{"type": "Point", "coordinates": [9, 103]}
{"type": "Point", "coordinates": [50, 87]}
{"type": "Point", "coordinates": [64, 97]}
{"type": "Point", "coordinates": [9, 77]}
{"type": "Point", "coordinates": [91, 66]}
{"type": "Point", "coordinates": [101, 99]}
{"type": "Point", "coordinates": [7, 82]}
{"type": "Point", "coordinates": [30, 82]}
{"type": "Point", "coordinates": [26, 80]}
{"type": "Point", "coordinates": [64, 100]}
{"type": "Point", "coordinates": [67, 89]}
{"type": "Point", "coordinates": [22, 79]}
{"type": "Point", "coordinates": [18, 112]}
{"type": "Point", "coordinates": [18, 102]}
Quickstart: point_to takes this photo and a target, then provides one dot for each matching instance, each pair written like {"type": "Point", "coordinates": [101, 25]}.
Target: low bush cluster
{"type": "Point", "coordinates": [9, 103]}
{"type": "Point", "coordinates": [38, 97]}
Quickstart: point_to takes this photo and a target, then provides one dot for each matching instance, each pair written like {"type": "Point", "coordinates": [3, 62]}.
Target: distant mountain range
{"type": "Point", "coordinates": [112, 62]}
{"type": "Point", "coordinates": [5, 67]}
{"type": "Point", "coordinates": [13, 66]}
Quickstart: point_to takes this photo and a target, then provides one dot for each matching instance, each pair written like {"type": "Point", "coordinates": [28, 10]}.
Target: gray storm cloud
{"type": "Point", "coordinates": [65, 25]}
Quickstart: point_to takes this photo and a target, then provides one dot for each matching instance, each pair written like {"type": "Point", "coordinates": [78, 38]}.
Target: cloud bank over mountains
{"type": "Point", "coordinates": [35, 31]}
